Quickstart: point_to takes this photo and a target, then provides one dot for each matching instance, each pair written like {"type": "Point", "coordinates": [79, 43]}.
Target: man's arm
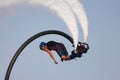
{"type": "Point", "coordinates": [51, 55]}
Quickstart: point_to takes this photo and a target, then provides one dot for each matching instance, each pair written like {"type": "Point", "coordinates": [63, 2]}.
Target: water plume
{"type": "Point", "coordinates": [66, 10]}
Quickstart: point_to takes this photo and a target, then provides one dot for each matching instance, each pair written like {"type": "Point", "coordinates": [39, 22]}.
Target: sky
{"type": "Point", "coordinates": [102, 62]}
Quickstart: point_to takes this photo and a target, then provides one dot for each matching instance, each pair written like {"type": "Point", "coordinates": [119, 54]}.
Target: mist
{"type": "Point", "coordinates": [66, 10]}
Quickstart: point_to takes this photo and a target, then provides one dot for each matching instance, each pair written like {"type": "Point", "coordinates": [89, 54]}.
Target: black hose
{"type": "Point", "coordinates": [8, 72]}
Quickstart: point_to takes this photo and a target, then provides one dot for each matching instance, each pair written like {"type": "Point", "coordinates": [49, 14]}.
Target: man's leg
{"type": "Point", "coordinates": [65, 57]}
{"type": "Point", "coordinates": [73, 55]}
{"type": "Point", "coordinates": [68, 57]}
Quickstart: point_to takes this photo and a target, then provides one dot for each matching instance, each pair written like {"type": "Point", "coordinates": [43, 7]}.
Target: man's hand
{"type": "Point", "coordinates": [56, 62]}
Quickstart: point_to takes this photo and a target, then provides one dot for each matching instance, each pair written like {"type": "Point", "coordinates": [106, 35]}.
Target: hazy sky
{"type": "Point", "coordinates": [102, 62]}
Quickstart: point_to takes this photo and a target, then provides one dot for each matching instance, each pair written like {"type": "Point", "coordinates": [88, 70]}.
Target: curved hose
{"type": "Point", "coordinates": [11, 64]}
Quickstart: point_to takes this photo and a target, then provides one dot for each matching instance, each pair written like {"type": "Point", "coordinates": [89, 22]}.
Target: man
{"type": "Point", "coordinates": [61, 50]}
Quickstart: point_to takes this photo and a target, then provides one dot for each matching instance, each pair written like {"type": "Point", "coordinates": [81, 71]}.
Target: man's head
{"type": "Point", "coordinates": [42, 44]}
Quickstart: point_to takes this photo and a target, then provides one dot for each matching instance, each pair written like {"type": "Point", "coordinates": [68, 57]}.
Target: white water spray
{"type": "Point", "coordinates": [79, 11]}
{"type": "Point", "coordinates": [63, 12]}
{"type": "Point", "coordinates": [65, 9]}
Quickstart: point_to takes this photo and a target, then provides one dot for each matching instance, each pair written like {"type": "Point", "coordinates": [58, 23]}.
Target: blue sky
{"type": "Point", "coordinates": [100, 63]}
